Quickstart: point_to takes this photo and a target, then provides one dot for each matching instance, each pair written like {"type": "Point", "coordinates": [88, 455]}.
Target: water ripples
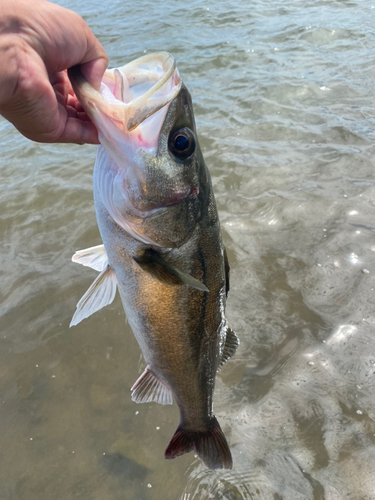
{"type": "Point", "coordinates": [285, 110]}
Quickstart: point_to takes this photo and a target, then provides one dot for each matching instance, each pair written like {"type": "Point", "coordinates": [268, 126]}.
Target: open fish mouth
{"type": "Point", "coordinates": [129, 96]}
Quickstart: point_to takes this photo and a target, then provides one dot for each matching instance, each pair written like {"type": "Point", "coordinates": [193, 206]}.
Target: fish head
{"type": "Point", "coordinates": [148, 163]}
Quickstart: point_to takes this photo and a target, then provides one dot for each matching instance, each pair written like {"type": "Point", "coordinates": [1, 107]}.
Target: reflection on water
{"type": "Point", "coordinates": [284, 100]}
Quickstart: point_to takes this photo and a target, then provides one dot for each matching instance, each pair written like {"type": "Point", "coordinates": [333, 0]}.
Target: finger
{"type": "Point", "coordinates": [73, 101]}
{"type": "Point", "coordinates": [73, 113]}
{"type": "Point", "coordinates": [61, 99]}
{"type": "Point", "coordinates": [95, 60]}
{"type": "Point", "coordinates": [63, 39]}
{"type": "Point", "coordinates": [61, 86]}
{"type": "Point", "coordinates": [93, 71]}
{"type": "Point", "coordinates": [78, 132]}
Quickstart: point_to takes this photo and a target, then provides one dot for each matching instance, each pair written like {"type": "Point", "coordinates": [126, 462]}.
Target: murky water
{"type": "Point", "coordinates": [285, 107]}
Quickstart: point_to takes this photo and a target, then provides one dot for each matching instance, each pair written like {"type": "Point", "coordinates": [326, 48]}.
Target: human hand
{"type": "Point", "coordinates": [39, 40]}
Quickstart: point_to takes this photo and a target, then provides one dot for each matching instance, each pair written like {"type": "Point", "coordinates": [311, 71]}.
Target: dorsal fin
{"type": "Point", "coordinates": [100, 294]}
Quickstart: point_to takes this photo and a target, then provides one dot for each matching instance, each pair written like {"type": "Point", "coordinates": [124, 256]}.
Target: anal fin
{"type": "Point", "coordinates": [100, 294]}
{"type": "Point", "coordinates": [231, 344]}
{"type": "Point", "coordinates": [148, 388]}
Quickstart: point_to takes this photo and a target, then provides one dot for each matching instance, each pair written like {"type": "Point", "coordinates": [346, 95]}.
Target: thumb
{"type": "Point", "coordinates": [94, 70]}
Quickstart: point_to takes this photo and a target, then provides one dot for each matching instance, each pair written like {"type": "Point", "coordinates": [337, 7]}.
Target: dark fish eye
{"type": "Point", "coordinates": [182, 143]}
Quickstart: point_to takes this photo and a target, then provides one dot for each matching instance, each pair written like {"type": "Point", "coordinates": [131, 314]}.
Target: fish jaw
{"type": "Point", "coordinates": [124, 108]}
{"type": "Point", "coordinates": [127, 97]}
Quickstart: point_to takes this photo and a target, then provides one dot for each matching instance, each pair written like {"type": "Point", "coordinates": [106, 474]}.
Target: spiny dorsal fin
{"type": "Point", "coordinates": [153, 263]}
{"type": "Point", "coordinates": [94, 257]}
{"type": "Point", "coordinates": [100, 294]}
{"type": "Point", "coordinates": [231, 344]}
{"type": "Point", "coordinates": [148, 388]}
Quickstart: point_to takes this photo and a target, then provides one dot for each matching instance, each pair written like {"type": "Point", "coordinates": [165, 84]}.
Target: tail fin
{"type": "Point", "coordinates": [211, 445]}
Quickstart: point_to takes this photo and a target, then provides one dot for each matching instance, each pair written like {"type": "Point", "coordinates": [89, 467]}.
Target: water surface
{"type": "Point", "coordinates": [285, 108]}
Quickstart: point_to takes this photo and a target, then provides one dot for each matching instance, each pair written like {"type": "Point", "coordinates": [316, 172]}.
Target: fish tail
{"type": "Point", "coordinates": [210, 445]}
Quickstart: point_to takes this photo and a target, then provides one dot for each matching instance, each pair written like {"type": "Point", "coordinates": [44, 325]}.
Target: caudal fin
{"type": "Point", "coordinates": [210, 445]}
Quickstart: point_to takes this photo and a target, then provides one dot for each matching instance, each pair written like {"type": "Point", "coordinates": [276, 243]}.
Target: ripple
{"type": "Point", "coordinates": [285, 112]}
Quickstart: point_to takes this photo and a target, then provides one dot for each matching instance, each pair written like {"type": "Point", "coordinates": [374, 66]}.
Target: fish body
{"type": "Point", "coordinates": [158, 220]}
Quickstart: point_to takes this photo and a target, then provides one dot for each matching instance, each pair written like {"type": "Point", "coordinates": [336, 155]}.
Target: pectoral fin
{"type": "Point", "coordinates": [100, 294]}
{"type": "Point", "coordinates": [94, 257]}
{"type": "Point", "coordinates": [231, 344]}
{"type": "Point", "coordinates": [148, 388]}
{"type": "Point", "coordinates": [153, 263]}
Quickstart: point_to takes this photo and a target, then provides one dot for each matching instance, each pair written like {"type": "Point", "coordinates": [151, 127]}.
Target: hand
{"type": "Point", "coordinates": [38, 42]}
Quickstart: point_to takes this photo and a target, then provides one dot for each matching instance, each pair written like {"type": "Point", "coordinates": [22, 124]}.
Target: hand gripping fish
{"type": "Point", "coordinates": [162, 249]}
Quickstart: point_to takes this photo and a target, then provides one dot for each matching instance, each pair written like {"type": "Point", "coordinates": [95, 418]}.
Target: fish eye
{"type": "Point", "coordinates": [182, 143]}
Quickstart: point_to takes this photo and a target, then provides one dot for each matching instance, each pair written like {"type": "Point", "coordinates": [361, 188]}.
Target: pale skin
{"type": "Point", "coordinates": [39, 41]}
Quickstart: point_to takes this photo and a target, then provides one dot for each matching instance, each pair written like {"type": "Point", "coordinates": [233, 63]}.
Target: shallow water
{"type": "Point", "coordinates": [285, 108]}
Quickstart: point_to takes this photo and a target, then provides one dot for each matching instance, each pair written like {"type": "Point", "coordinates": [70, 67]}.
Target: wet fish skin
{"type": "Point", "coordinates": [181, 329]}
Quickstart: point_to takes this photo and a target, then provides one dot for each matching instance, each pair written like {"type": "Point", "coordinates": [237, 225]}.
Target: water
{"type": "Point", "coordinates": [285, 108]}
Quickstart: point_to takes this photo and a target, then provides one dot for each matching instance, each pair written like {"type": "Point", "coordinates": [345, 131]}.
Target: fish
{"type": "Point", "coordinates": [162, 245]}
